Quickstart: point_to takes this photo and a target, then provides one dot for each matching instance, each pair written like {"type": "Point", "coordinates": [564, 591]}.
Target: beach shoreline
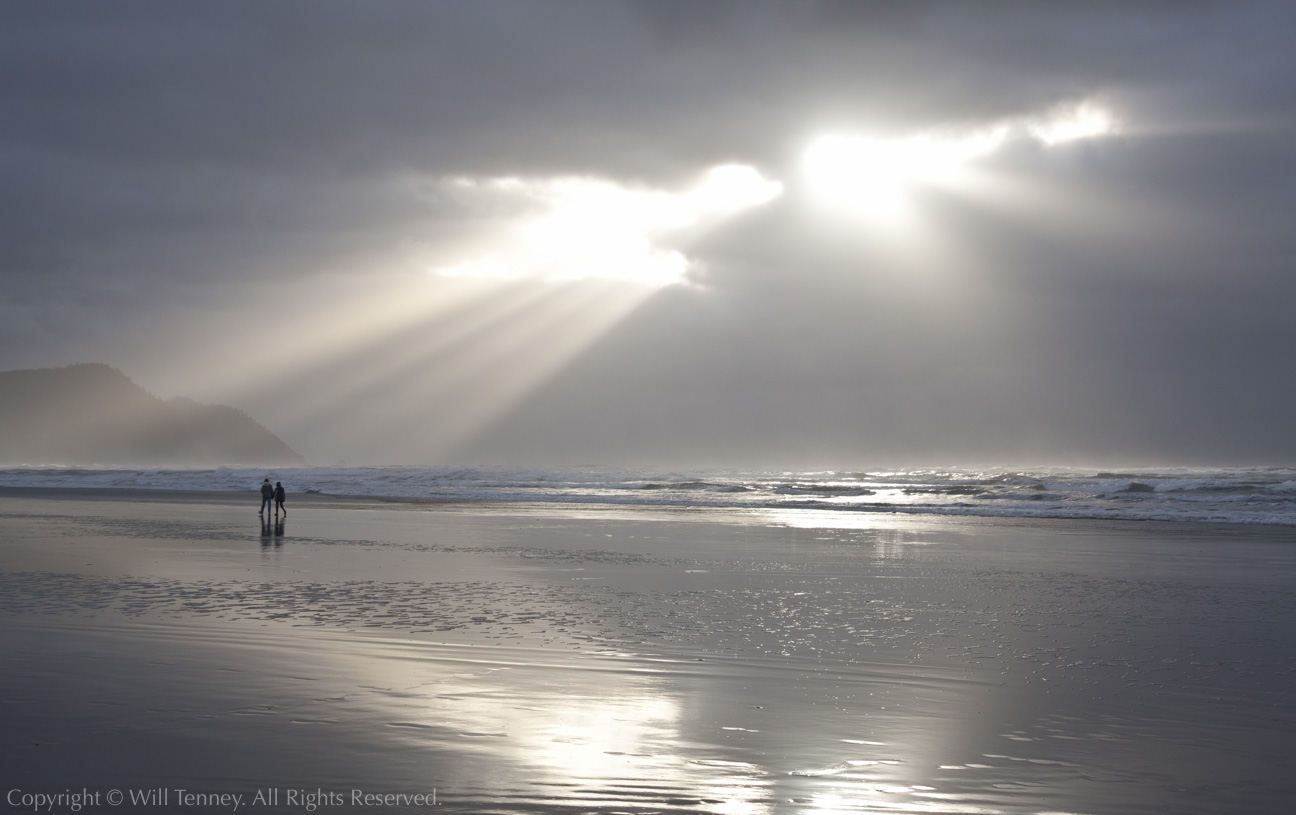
{"type": "Point", "coordinates": [561, 657]}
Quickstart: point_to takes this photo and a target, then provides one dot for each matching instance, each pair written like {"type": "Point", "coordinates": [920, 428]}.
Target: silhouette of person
{"type": "Point", "coordinates": [279, 498]}
{"type": "Point", "coordinates": [267, 493]}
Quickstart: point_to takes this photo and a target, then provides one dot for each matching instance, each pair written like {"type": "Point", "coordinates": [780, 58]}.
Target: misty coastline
{"type": "Point", "coordinates": [93, 414]}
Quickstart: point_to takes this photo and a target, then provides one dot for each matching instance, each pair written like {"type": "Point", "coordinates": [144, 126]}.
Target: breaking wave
{"type": "Point", "coordinates": [1266, 496]}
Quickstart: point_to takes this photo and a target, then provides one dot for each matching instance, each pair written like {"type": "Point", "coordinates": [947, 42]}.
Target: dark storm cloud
{"type": "Point", "coordinates": [161, 161]}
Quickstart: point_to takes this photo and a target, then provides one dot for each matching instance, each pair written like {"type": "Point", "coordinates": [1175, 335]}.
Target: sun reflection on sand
{"type": "Point", "coordinates": [605, 731]}
{"type": "Point", "coordinates": [598, 734]}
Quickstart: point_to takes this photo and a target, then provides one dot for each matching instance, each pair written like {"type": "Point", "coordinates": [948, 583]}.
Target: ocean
{"type": "Point", "coordinates": [1183, 494]}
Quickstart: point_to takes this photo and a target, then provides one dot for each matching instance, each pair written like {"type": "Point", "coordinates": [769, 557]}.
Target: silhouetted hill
{"type": "Point", "coordinates": [94, 414]}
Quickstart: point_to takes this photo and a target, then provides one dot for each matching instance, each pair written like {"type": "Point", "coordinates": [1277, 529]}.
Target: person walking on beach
{"type": "Point", "coordinates": [267, 493]}
{"type": "Point", "coordinates": [279, 498]}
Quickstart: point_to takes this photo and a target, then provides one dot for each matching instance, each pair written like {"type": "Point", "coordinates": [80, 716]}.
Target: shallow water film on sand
{"type": "Point", "coordinates": [189, 656]}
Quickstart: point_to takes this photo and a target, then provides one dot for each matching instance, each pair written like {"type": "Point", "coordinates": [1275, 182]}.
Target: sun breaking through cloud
{"type": "Point", "coordinates": [874, 176]}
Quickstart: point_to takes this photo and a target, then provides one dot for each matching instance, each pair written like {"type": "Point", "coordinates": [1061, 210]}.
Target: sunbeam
{"type": "Point", "coordinates": [464, 345]}
{"type": "Point", "coordinates": [488, 383]}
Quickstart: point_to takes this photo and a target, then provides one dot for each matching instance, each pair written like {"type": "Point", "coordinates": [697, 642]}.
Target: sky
{"type": "Point", "coordinates": [785, 234]}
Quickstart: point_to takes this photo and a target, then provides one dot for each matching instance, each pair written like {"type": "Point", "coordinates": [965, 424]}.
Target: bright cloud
{"type": "Point", "coordinates": [589, 228]}
{"type": "Point", "coordinates": [1084, 121]}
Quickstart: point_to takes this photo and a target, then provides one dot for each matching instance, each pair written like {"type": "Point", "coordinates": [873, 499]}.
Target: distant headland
{"type": "Point", "coordinates": [93, 414]}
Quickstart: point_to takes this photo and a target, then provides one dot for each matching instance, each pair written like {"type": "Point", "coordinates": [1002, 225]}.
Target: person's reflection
{"type": "Point", "coordinates": [267, 532]}
{"type": "Point", "coordinates": [278, 531]}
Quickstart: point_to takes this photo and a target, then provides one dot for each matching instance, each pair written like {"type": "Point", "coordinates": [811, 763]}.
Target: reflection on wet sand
{"type": "Point", "coordinates": [617, 732]}
{"type": "Point", "coordinates": [492, 729]}
{"type": "Point", "coordinates": [598, 731]}
{"type": "Point", "coordinates": [545, 664]}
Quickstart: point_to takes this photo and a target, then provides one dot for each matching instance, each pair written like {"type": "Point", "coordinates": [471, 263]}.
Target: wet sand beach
{"type": "Point", "coordinates": [522, 658]}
